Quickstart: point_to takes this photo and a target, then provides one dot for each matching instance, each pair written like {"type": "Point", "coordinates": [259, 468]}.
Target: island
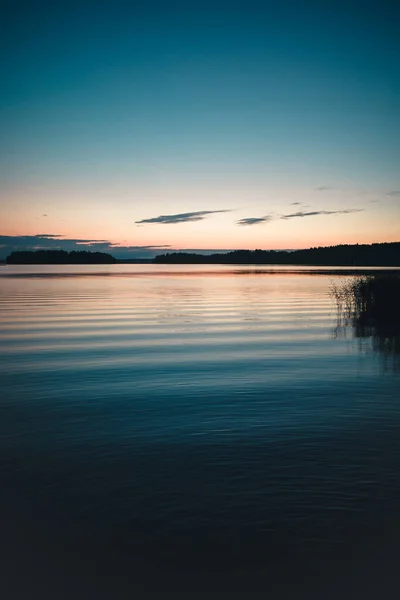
{"type": "Point", "coordinates": [59, 257]}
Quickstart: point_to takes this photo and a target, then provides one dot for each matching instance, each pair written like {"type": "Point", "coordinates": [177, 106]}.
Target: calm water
{"type": "Point", "coordinates": [196, 429]}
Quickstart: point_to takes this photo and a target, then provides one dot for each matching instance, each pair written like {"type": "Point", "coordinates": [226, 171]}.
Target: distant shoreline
{"type": "Point", "coordinates": [59, 257]}
{"type": "Point", "coordinates": [343, 255]}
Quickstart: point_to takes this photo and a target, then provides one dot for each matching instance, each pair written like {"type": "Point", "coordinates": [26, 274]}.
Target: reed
{"type": "Point", "coordinates": [370, 299]}
{"type": "Point", "coordinates": [371, 305]}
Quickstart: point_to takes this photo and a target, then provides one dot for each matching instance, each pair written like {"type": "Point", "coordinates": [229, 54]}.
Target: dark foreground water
{"type": "Point", "coordinates": [194, 432]}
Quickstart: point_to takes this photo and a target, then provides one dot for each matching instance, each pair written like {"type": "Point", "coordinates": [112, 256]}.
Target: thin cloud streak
{"type": "Point", "coordinates": [394, 193]}
{"type": "Point", "coordinates": [250, 221]}
{"type": "Point", "coordinates": [180, 218]}
{"type": "Point", "coordinates": [322, 212]}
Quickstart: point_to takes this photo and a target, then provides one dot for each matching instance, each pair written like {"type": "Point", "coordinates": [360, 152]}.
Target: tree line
{"type": "Point", "coordinates": [59, 257]}
{"type": "Point", "coordinates": [360, 255]}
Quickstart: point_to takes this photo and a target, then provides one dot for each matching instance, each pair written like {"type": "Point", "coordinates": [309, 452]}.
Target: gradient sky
{"type": "Point", "coordinates": [218, 125]}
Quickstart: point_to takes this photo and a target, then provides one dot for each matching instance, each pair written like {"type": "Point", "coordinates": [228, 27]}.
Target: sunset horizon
{"type": "Point", "coordinates": [225, 126]}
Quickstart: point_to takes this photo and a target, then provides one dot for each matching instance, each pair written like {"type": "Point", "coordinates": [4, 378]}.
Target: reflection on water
{"type": "Point", "coordinates": [179, 428]}
{"type": "Point", "coordinates": [382, 340]}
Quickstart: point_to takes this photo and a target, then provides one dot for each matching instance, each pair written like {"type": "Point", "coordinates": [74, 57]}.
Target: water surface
{"type": "Point", "coordinates": [199, 428]}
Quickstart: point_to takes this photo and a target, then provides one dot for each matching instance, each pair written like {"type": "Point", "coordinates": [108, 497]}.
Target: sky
{"type": "Point", "coordinates": [145, 127]}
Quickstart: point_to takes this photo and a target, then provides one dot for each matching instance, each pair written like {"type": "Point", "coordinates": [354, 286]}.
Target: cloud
{"type": "Point", "coordinates": [294, 203]}
{"type": "Point", "coordinates": [394, 193]}
{"type": "Point", "coordinates": [52, 241]}
{"type": "Point", "coordinates": [39, 235]}
{"type": "Point", "coordinates": [182, 217]}
{"type": "Point", "coordinates": [258, 220]}
{"type": "Point", "coordinates": [321, 212]}
{"type": "Point", "coordinates": [255, 220]}
{"type": "Point", "coordinates": [323, 188]}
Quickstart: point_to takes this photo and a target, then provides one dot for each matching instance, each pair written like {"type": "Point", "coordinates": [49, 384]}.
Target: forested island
{"type": "Point", "coordinates": [352, 255]}
{"type": "Point", "coordinates": [59, 257]}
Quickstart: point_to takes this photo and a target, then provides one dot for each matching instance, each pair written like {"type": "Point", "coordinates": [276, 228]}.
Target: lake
{"type": "Point", "coordinates": [200, 430]}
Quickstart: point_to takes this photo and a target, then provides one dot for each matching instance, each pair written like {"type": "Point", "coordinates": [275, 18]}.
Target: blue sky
{"type": "Point", "coordinates": [114, 114]}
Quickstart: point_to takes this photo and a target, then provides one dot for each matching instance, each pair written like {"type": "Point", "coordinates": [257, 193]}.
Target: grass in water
{"type": "Point", "coordinates": [371, 305]}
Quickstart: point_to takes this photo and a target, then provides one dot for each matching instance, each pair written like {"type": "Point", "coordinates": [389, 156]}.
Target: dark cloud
{"type": "Point", "coordinates": [394, 193]}
{"type": "Point", "coordinates": [57, 242]}
{"type": "Point", "coordinates": [323, 188]}
{"type": "Point", "coordinates": [51, 241]}
{"type": "Point", "coordinates": [182, 217]}
{"type": "Point", "coordinates": [295, 203]}
{"type": "Point", "coordinates": [254, 220]}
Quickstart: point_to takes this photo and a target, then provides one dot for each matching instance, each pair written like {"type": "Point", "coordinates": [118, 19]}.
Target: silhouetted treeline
{"type": "Point", "coordinates": [59, 257]}
{"type": "Point", "coordinates": [360, 255]}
